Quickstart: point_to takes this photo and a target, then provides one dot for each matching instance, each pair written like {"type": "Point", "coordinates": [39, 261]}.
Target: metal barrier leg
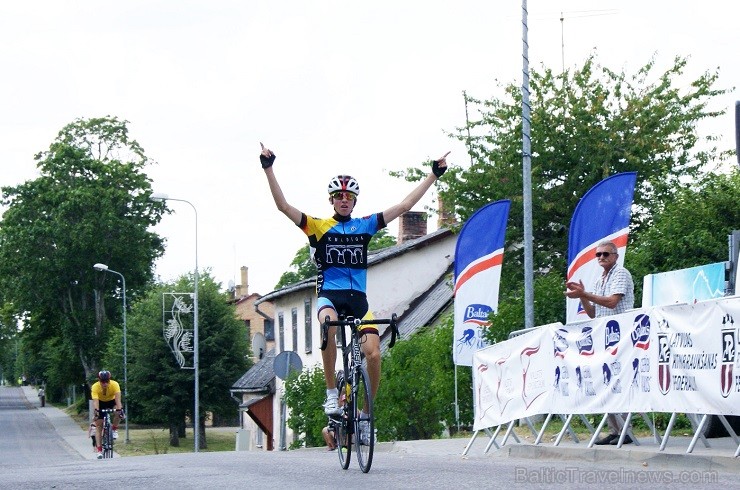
{"type": "Point", "coordinates": [698, 434]}
{"type": "Point", "coordinates": [470, 443]}
{"type": "Point", "coordinates": [597, 431]}
{"type": "Point", "coordinates": [566, 425]}
{"type": "Point", "coordinates": [542, 430]}
{"type": "Point", "coordinates": [492, 442]}
{"type": "Point", "coordinates": [570, 430]}
{"type": "Point", "coordinates": [587, 424]}
{"type": "Point", "coordinates": [651, 426]}
{"type": "Point", "coordinates": [729, 428]}
{"type": "Point", "coordinates": [531, 426]}
{"type": "Point", "coordinates": [510, 432]}
{"type": "Point", "coordinates": [694, 425]}
{"type": "Point", "coordinates": [668, 430]}
{"type": "Point", "coordinates": [626, 430]}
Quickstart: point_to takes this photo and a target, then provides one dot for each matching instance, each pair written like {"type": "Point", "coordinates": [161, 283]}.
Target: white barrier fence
{"type": "Point", "coordinates": [674, 359]}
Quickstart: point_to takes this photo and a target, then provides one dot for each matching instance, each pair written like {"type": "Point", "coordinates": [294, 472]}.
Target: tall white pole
{"type": "Point", "coordinates": [196, 361]}
{"type": "Point", "coordinates": [104, 268]}
{"type": "Point", "coordinates": [527, 178]}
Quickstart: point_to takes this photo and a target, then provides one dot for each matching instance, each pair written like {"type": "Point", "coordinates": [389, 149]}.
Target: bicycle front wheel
{"type": "Point", "coordinates": [364, 421]}
{"type": "Point", "coordinates": [108, 442]}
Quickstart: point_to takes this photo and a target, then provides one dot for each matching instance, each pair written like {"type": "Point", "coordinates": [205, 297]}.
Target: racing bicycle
{"type": "Point", "coordinates": [107, 433]}
{"type": "Point", "coordinates": [354, 391]}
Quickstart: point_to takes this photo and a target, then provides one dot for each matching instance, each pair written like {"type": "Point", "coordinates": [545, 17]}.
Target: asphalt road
{"type": "Point", "coordinates": [26, 436]}
{"type": "Point", "coordinates": [33, 454]}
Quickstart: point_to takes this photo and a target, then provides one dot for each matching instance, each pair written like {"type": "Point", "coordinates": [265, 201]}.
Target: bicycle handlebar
{"type": "Point", "coordinates": [392, 323]}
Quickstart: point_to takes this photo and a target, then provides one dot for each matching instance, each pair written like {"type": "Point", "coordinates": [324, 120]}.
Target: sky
{"type": "Point", "coordinates": [330, 86]}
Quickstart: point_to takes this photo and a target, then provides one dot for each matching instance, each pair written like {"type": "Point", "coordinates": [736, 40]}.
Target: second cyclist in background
{"type": "Point", "coordinates": [106, 393]}
{"type": "Point", "coordinates": [339, 247]}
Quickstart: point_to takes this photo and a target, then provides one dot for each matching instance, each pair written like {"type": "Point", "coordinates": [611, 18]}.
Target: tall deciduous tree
{"type": "Point", "coordinates": [691, 230]}
{"type": "Point", "coordinates": [89, 205]}
{"type": "Point", "coordinates": [586, 125]}
{"type": "Point", "coordinates": [161, 392]}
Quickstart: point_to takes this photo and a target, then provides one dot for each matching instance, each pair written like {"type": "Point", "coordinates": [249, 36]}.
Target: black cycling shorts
{"type": "Point", "coordinates": [348, 303]}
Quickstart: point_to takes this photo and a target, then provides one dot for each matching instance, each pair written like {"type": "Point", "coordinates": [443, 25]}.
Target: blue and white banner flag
{"type": "Point", "coordinates": [603, 214]}
{"type": "Point", "coordinates": [478, 257]}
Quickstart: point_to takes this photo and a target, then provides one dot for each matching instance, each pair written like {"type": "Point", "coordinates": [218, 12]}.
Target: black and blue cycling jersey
{"type": "Point", "coordinates": [339, 248]}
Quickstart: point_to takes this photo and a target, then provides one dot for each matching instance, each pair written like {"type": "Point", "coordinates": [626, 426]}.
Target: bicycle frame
{"type": "Point", "coordinates": [356, 380]}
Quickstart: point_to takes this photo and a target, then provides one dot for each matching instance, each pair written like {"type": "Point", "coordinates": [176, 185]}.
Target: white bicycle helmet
{"type": "Point", "coordinates": [344, 183]}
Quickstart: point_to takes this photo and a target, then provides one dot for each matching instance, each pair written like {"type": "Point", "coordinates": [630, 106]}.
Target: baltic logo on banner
{"type": "Point", "coordinates": [603, 214]}
{"type": "Point", "coordinates": [478, 257]}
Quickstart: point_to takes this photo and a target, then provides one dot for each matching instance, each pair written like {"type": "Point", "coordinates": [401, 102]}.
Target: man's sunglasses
{"type": "Point", "coordinates": [604, 254]}
{"type": "Point", "coordinates": [347, 196]}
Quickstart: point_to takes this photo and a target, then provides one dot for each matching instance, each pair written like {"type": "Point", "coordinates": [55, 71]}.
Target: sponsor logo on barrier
{"type": "Point", "coordinates": [729, 354]}
{"type": "Point", "coordinates": [585, 343]}
{"type": "Point", "coordinates": [612, 337]}
{"type": "Point", "coordinates": [560, 342]}
{"type": "Point", "coordinates": [477, 314]}
{"type": "Point", "coordinates": [641, 332]}
{"type": "Point", "coordinates": [664, 363]}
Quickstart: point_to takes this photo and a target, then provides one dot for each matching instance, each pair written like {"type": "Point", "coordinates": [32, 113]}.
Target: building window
{"type": "Point", "coordinates": [281, 332]}
{"type": "Point", "coordinates": [270, 329]}
{"type": "Point", "coordinates": [307, 319]}
{"type": "Point", "coordinates": [294, 327]}
{"type": "Point", "coordinates": [248, 324]}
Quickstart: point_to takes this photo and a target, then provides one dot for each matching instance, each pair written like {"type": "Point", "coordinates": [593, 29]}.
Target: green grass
{"type": "Point", "coordinates": [145, 441]}
{"type": "Point", "coordinates": [149, 441]}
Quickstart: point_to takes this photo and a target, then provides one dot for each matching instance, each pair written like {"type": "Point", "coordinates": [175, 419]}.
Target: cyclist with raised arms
{"type": "Point", "coordinates": [339, 248]}
{"type": "Point", "coordinates": [106, 394]}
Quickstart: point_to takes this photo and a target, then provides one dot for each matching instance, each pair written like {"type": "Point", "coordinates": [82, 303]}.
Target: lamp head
{"type": "Point", "coordinates": [100, 267]}
{"type": "Point", "coordinates": [158, 196]}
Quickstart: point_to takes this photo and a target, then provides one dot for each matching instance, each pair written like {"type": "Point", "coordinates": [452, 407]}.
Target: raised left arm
{"type": "Point", "coordinates": [439, 167]}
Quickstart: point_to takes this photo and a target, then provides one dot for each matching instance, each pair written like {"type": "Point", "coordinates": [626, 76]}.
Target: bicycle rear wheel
{"type": "Point", "coordinates": [365, 439]}
{"type": "Point", "coordinates": [342, 432]}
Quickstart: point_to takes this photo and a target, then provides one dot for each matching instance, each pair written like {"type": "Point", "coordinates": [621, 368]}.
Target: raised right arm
{"type": "Point", "coordinates": [267, 157]}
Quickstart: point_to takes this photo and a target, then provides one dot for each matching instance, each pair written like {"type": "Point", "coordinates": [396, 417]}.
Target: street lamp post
{"type": "Point", "coordinates": [196, 418]}
{"type": "Point", "coordinates": [104, 268]}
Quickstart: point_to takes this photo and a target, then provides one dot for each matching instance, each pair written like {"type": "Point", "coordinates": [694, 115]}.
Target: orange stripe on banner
{"type": "Point", "coordinates": [497, 259]}
{"type": "Point", "coordinates": [620, 241]}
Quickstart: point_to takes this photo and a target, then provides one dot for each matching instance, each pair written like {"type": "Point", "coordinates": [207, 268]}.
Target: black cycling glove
{"type": "Point", "coordinates": [437, 170]}
{"type": "Point", "coordinates": [267, 161]}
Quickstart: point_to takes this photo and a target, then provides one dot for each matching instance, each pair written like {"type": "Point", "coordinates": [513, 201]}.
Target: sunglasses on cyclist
{"type": "Point", "coordinates": [347, 196]}
{"type": "Point", "coordinates": [604, 254]}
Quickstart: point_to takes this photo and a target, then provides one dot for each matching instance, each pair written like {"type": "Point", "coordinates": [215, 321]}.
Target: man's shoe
{"type": "Point", "coordinates": [627, 440]}
{"type": "Point", "coordinates": [115, 434]}
{"type": "Point", "coordinates": [100, 454]}
{"type": "Point", "coordinates": [610, 439]}
{"type": "Point", "coordinates": [364, 432]}
{"type": "Point", "coordinates": [331, 406]}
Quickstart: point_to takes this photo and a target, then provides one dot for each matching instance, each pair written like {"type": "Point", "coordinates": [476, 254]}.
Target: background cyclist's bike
{"type": "Point", "coordinates": [356, 423]}
{"type": "Point", "coordinates": [107, 437]}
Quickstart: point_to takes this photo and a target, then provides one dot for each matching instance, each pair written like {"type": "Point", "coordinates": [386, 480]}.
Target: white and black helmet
{"type": "Point", "coordinates": [344, 183]}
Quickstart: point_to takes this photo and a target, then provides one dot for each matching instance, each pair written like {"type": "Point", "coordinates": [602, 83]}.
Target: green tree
{"type": "Point", "coordinates": [8, 340]}
{"type": "Point", "coordinates": [89, 205]}
{"type": "Point", "coordinates": [304, 395]}
{"type": "Point", "coordinates": [416, 399]}
{"type": "Point", "coordinates": [303, 266]}
{"type": "Point", "coordinates": [161, 392]}
{"type": "Point", "coordinates": [586, 124]}
{"type": "Point", "coordinates": [691, 230]}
